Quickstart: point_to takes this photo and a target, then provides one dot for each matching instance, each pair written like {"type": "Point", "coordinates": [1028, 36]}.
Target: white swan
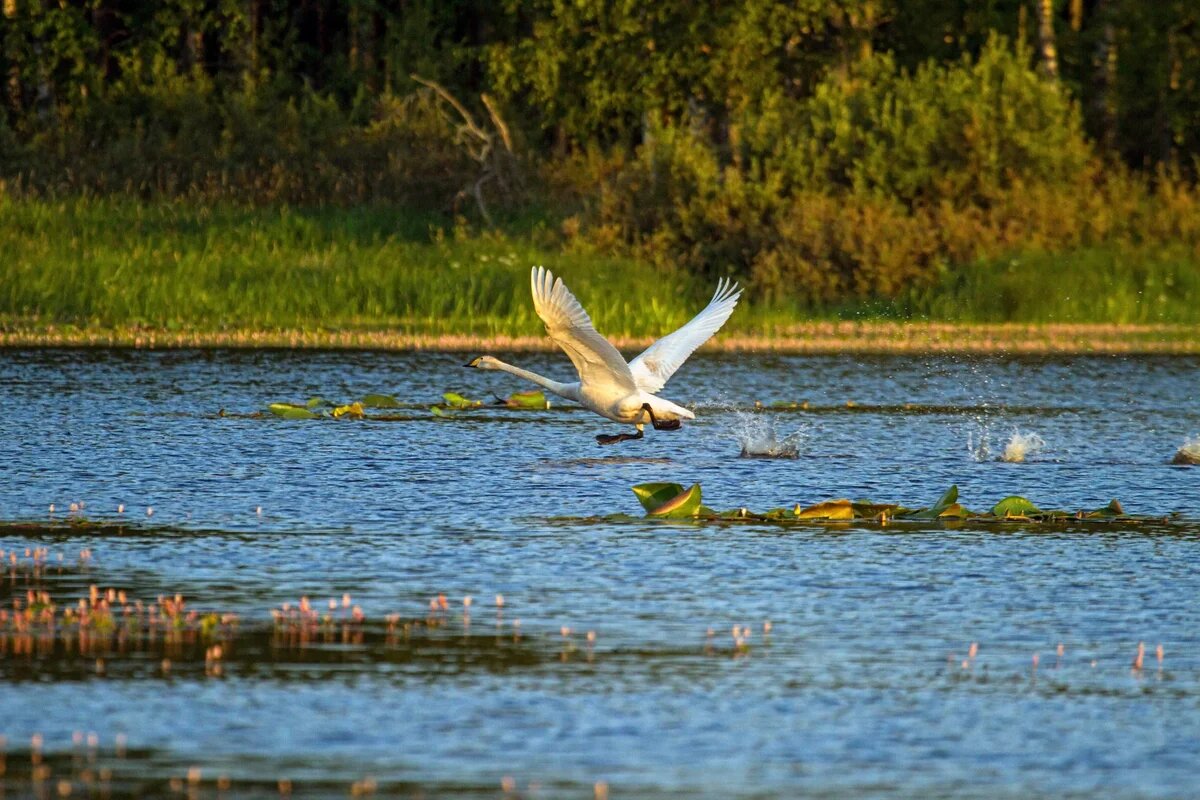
{"type": "Point", "coordinates": [607, 385]}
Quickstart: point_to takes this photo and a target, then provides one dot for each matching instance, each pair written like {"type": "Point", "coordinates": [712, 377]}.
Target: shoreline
{"type": "Point", "coordinates": [802, 338]}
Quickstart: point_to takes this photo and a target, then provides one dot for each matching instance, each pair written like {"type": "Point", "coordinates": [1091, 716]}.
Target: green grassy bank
{"type": "Point", "coordinates": [176, 267]}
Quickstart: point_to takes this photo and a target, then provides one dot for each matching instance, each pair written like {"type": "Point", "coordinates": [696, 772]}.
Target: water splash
{"type": "Point", "coordinates": [1189, 452]}
{"type": "Point", "coordinates": [1021, 445]}
{"type": "Point", "coordinates": [757, 435]}
{"type": "Point", "coordinates": [979, 443]}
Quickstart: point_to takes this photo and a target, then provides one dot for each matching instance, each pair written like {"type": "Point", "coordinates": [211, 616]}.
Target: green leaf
{"type": "Point", "coordinates": [1015, 506]}
{"type": "Point", "coordinates": [1113, 509]}
{"type": "Point", "coordinates": [380, 401]}
{"type": "Point", "coordinates": [686, 504]}
{"type": "Point", "coordinates": [653, 495]}
{"type": "Point", "coordinates": [532, 399]}
{"type": "Point", "coordinates": [313, 402]}
{"type": "Point", "coordinates": [455, 400]}
{"type": "Point", "coordinates": [934, 511]}
{"type": "Point", "coordinates": [953, 511]}
{"type": "Point", "coordinates": [949, 498]}
{"type": "Point", "coordinates": [291, 411]}
{"type": "Point", "coordinates": [437, 412]}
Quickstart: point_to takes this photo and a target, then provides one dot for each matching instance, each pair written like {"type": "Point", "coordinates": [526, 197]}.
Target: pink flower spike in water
{"type": "Point", "coordinates": [1140, 657]}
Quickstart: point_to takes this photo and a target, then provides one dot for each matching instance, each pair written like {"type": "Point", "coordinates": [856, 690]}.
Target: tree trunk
{"type": "Point", "coordinates": [1044, 9]}
{"type": "Point", "coordinates": [1104, 78]}
{"type": "Point", "coordinates": [14, 73]}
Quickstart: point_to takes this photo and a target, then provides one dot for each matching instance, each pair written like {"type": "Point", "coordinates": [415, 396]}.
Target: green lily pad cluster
{"type": "Point", "coordinates": [452, 401]}
{"type": "Point", "coordinates": [320, 408]}
{"type": "Point", "coordinates": [673, 501]}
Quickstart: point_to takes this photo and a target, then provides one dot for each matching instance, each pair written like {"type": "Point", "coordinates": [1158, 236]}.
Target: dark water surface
{"type": "Point", "coordinates": [863, 686]}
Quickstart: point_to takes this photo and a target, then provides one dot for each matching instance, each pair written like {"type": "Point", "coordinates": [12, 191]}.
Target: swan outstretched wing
{"type": "Point", "coordinates": [655, 366]}
{"type": "Point", "coordinates": [570, 327]}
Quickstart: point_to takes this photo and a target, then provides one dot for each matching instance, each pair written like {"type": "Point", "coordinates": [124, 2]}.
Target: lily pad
{"type": "Point", "coordinates": [531, 399]}
{"type": "Point", "coordinates": [830, 509]}
{"type": "Point", "coordinates": [380, 401]}
{"type": "Point", "coordinates": [934, 511]}
{"type": "Point", "coordinates": [314, 402]}
{"type": "Point", "coordinates": [949, 498]}
{"type": "Point", "coordinates": [291, 411]}
{"type": "Point", "coordinates": [865, 509]}
{"type": "Point", "coordinates": [1015, 506]}
{"type": "Point", "coordinates": [455, 400]}
{"type": "Point", "coordinates": [954, 511]}
{"type": "Point", "coordinates": [685, 504]}
{"type": "Point", "coordinates": [653, 495]}
{"type": "Point", "coordinates": [1113, 509]}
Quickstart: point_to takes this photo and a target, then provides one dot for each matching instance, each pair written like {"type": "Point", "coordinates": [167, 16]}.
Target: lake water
{"type": "Point", "coordinates": [863, 686]}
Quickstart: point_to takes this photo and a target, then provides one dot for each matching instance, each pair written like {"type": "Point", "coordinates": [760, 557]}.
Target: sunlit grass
{"type": "Point", "coordinates": [115, 263]}
{"type": "Point", "coordinates": [227, 271]}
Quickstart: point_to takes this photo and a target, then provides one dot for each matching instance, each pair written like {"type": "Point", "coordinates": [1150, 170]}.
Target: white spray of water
{"type": "Point", "coordinates": [979, 443]}
{"type": "Point", "coordinates": [1189, 453]}
{"type": "Point", "coordinates": [1021, 445]}
{"type": "Point", "coordinates": [758, 438]}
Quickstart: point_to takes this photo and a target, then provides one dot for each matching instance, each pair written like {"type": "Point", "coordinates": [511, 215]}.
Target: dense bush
{"type": "Point", "coordinates": [960, 132]}
{"type": "Point", "coordinates": [878, 183]}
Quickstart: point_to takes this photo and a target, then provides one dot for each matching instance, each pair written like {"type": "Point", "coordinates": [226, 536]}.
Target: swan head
{"type": "Point", "coordinates": [482, 362]}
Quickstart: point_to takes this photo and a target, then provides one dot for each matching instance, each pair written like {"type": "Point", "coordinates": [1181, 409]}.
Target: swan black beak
{"type": "Point", "coordinates": [474, 362]}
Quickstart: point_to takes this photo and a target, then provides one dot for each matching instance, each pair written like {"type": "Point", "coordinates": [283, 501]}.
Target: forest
{"type": "Point", "coordinates": [928, 157]}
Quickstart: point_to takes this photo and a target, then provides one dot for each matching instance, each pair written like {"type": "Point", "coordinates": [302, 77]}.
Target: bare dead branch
{"type": "Point", "coordinates": [498, 121]}
{"type": "Point", "coordinates": [453, 101]}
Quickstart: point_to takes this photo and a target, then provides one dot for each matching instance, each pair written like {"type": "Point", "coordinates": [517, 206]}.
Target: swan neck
{"type": "Point", "coordinates": [561, 389]}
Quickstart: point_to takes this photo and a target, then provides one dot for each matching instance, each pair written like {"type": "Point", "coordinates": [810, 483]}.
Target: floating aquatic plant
{"type": "Point", "coordinates": [380, 401]}
{"type": "Point", "coordinates": [683, 505]}
{"type": "Point", "coordinates": [351, 410]}
{"type": "Point", "coordinates": [320, 408]}
{"type": "Point", "coordinates": [672, 501]}
{"type": "Point", "coordinates": [292, 411]}
{"type": "Point", "coordinates": [1015, 506]}
{"type": "Point", "coordinates": [455, 400]}
{"type": "Point", "coordinates": [535, 399]}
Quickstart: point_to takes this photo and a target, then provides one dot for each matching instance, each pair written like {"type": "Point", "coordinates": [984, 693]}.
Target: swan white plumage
{"type": "Point", "coordinates": [607, 385]}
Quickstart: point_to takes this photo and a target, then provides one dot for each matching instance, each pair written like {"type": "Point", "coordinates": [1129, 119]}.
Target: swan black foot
{"type": "Point", "coordinates": [620, 437]}
{"type": "Point", "coordinates": [661, 425]}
